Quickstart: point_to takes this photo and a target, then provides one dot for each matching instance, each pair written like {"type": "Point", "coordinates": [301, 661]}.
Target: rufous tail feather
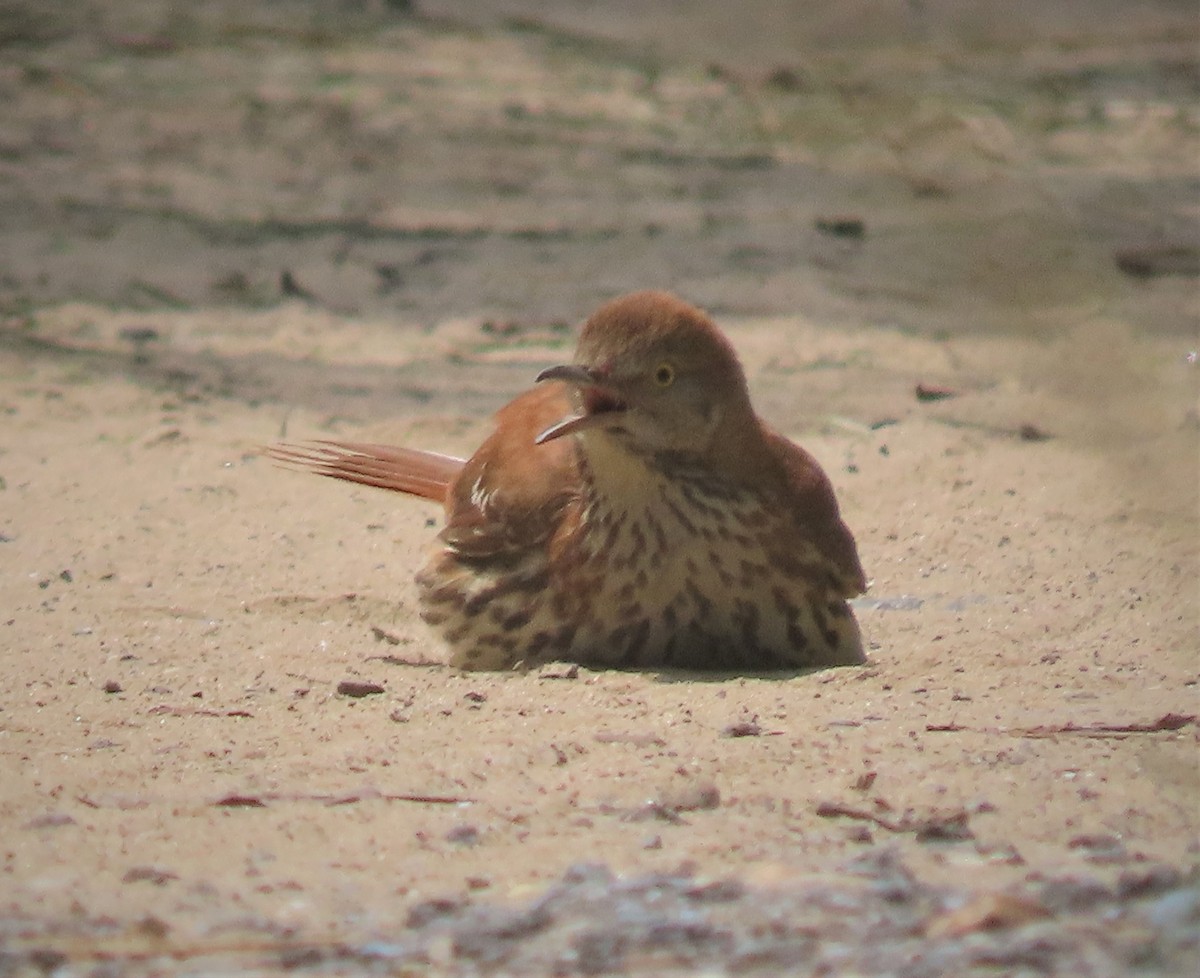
{"type": "Point", "coordinates": [424, 474]}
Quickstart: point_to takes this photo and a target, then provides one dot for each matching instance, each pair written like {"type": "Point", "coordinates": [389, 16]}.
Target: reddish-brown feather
{"type": "Point", "coordinates": [425, 474]}
{"type": "Point", "coordinates": [506, 496]}
{"type": "Point", "coordinates": [511, 492]}
{"type": "Point", "coordinates": [814, 504]}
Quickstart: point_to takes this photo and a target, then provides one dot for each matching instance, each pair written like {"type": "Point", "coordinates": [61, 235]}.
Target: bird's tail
{"type": "Point", "coordinates": [424, 474]}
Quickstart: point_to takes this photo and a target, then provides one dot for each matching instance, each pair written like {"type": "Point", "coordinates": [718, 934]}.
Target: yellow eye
{"type": "Point", "coordinates": [664, 375]}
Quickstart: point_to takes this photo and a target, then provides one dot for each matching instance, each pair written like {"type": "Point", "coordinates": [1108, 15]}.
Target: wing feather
{"type": "Point", "coordinates": [512, 493]}
{"type": "Point", "coordinates": [809, 495]}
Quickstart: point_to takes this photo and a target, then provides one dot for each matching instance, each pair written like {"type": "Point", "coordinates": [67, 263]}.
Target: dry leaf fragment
{"type": "Point", "coordinates": [357, 689]}
{"type": "Point", "coordinates": [932, 392]}
{"type": "Point", "coordinates": [240, 801]}
{"type": "Point", "coordinates": [986, 911]}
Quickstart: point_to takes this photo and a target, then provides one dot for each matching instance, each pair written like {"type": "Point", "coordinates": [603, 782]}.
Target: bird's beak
{"type": "Point", "coordinates": [599, 403]}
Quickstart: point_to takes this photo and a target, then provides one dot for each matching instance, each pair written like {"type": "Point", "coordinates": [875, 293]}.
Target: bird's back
{"type": "Point", "coordinates": [510, 495]}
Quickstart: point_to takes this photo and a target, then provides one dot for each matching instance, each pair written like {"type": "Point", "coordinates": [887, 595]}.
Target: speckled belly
{"type": "Point", "coordinates": [688, 580]}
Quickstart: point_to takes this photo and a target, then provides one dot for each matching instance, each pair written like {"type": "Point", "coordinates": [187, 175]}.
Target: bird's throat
{"type": "Point", "coordinates": [619, 478]}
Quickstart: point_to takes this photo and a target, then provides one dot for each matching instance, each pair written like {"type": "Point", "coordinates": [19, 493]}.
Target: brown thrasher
{"type": "Point", "coordinates": [631, 510]}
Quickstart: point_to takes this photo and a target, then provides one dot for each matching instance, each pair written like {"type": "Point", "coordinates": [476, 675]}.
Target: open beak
{"type": "Point", "coordinates": [599, 403]}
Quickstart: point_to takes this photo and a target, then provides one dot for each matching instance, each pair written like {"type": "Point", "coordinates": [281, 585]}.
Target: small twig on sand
{"type": "Point", "coordinates": [1165, 723]}
{"type": "Point", "coordinates": [949, 826]}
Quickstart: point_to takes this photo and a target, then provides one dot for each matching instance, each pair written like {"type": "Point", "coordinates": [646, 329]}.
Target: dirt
{"type": "Point", "coordinates": [959, 260]}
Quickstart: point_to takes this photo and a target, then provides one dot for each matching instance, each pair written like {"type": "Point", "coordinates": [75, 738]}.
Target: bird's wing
{"type": "Point", "coordinates": [809, 495]}
{"type": "Point", "coordinates": [425, 474]}
{"type": "Point", "coordinates": [512, 493]}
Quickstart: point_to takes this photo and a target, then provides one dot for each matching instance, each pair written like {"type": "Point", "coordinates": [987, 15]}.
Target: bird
{"type": "Point", "coordinates": [631, 511]}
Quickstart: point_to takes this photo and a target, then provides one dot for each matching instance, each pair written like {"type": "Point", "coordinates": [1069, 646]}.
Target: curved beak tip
{"type": "Point", "coordinates": [566, 426]}
{"type": "Point", "coordinates": [569, 372]}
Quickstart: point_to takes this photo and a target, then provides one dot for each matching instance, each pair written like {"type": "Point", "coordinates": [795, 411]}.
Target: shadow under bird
{"type": "Point", "coordinates": [631, 511]}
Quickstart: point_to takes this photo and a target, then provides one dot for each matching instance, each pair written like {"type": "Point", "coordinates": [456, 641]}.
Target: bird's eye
{"type": "Point", "coordinates": [664, 375]}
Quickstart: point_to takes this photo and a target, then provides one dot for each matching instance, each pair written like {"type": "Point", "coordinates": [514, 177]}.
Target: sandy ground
{"type": "Point", "coordinates": [187, 783]}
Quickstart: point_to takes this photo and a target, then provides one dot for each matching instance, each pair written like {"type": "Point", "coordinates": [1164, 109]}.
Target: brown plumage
{"type": "Point", "coordinates": [631, 510]}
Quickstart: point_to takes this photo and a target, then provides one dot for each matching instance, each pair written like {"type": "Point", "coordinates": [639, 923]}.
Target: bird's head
{"type": "Point", "coordinates": [654, 373]}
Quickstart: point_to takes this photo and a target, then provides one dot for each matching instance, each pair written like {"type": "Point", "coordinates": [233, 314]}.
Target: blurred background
{"type": "Point", "coordinates": [938, 165]}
